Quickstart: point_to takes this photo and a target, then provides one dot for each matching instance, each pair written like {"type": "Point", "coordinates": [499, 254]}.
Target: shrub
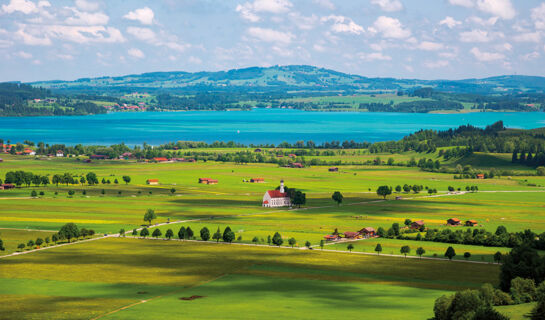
{"type": "Point", "coordinates": [523, 290]}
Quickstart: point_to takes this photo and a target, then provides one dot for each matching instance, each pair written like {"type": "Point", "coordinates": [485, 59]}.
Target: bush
{"type": "Point", "coordinates": [441, 307]}
{"type": "Point", "coordinates": [523, 290]}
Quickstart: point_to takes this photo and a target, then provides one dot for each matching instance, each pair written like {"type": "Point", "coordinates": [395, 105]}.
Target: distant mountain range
{"type": "Point", "coordinates": [286, 78]}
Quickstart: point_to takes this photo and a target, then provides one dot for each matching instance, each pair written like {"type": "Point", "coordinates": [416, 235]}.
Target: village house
{"type": "Point", "coordinates": [480, 175]}
{"type": "Point", "coordinates": [332, 237]}
{"type": "Point", "coordinates": [152, 181]}
{"type": "Point", "coordinates": [7, 186]}
{"type": "Point", "coordinates": [29, 152]}
{"type": "Point", "coordinates": [453, 222]}
{"type": "Point", "coordinates": [208, 181]}
{"type": "Point", "coordinates": [471, 223]}
{"type": "Point", "coordinates": [257, 180]}
{"type": "Point", "coordinates": [276, 198]}
{"type": "Point", "coordinates": [160, 159]}
{"type": "Point", "coordinates": [333, 169]}
{"type": "Point", "coordinates": [417, 224]}
{"type": "Point", "coordinates": [352, 235]}
{"type": "Point", "coordinates": [59, 153]}
{"type": "Point", "coordinates": [297, 165]}
{"type": "Point", "coordinates": [368, 232]}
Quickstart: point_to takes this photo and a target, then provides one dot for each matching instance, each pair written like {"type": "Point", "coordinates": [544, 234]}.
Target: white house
{"type": "Point", "coordinates": [276, 198]}
{"type": "Point", "coordinates": [60, 153]}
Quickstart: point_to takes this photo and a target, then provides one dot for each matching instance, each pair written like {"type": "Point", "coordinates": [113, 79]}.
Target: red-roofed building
{"type": "Point", "coordinates": [160, 159]}
{"type": "Point", "coordinates": [257, 180]}
{"type": "Point", "coordinates": [60, 153]}
{"type": "Point", "coordinates": [208, 181]}
{"type": "Point", "coordinates": [453, 222]}
{"type": "Point", "coordinates": [297, 165]}
{"type": "Point", "coordinates": [276, 198]}
{"type": "Point", "coordinates": [480, 175]}
{"type": "Point", "coordinates": [352, 235]}
{"type": "Point", "coordinates": [332, 237]}
{"type": "Point", "coordinates": [471, 223]}
{"type": "Point", "coordinates": [152, 181]}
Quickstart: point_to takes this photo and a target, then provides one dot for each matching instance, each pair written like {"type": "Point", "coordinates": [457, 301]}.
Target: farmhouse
{"type": "Point", "coordinates": [30, 152]}
{"type": "Point", "coordinates": [480, 175]}
{"type": "Point", "coordinates": [60, 153]}
{"type": "Point", "coordinates": [471, 223]}
{"type": "Point", "coordinates": [453, 222]}
{"type": "Point", "coordinates": [152, 181]}
{"type": "Point", "coordinates": [297, 165]}
{"type": "Point", "coordinates": [352, 235]}
{"type": "Point", "coordinates": [208, 181]}
{"type": "Point", "coordinates": [417, 224]}
{"type": "Point", "coordinates": [332, 237]}
{"type": "Point", "coordinates": [257, 180]}
{"type": "Point", "coordinates": [7, 186]}
{"type": "Point", "coordinates": [160, 159]}
{"type": "Point", "coordinates": [367, 232]}
{"type": "Point", "coordinates": [276, 198]}
{"type": "Point", "coordinates": [333, 169]}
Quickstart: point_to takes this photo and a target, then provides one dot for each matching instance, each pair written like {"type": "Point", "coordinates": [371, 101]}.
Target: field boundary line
{"type": "Point", "coordinates": [160, 296]}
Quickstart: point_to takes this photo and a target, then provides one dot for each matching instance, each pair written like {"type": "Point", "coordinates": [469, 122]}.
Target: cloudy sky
{"type": "Point", "coordinates": [451, 39]}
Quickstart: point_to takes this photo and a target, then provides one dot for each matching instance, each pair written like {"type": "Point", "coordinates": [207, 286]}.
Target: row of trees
{"type": "Point", "coordinates": [20, 178]}
{"type": "Point", "coordinates": [69, 231]}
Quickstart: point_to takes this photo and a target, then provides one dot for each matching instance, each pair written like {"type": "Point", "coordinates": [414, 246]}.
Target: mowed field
{"type": "Point", "coordinates": [100, 278]}
{"type": "Point", "coordinates": [116, 278]}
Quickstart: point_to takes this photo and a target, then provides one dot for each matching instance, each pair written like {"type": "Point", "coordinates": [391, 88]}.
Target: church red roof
{"type": "Point", "coordinates": [277, 194]}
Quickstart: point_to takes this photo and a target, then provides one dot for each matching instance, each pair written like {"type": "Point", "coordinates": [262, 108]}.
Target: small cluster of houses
{"type": "Point", "coordinates": [125, 107]}
{"type": "Point", "coordinates": [455, 222]}
{"type": "Point", "coordinates": [364, 233]}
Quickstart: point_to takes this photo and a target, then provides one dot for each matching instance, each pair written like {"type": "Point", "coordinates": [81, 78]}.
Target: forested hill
{"type": "Point", "coordinates": [25, 100]}
{"type": "Point", "coordinates": [283, 79]}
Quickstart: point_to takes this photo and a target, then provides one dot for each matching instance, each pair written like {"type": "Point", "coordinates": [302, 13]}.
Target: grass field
{"type": "Point", "coordinates": [105, 275]}
{"type": "Point", "coordinates": [92, 279]}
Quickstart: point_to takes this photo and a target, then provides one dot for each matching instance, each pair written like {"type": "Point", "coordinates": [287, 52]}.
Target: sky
{"type": "Point", "coordinates": [425, 39]}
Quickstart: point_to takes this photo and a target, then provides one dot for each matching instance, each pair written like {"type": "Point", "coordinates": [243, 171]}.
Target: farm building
{"type": "Point", "coordinates": [352, 235]}
{"type": "Point", "coordinates": [208, 181]}
{"type": "Point", "coordinates": [417, 224]}
{"type": "Point", "coordinates": [453, 222]}
{"type": "Point", "coordinates": [480, 175]}
{"type": "Point", "coordinates": [59, 153]}
{"type": "Point", "coordinates": [297, 165]}
{"type": "Point", "coordinates": [257, 180]}
{"type": "Point", "coordinates": [471, 223]}
{"type": "Point", "coordinates": [152, 181]}
{"type": "Point", "coordinates": [160, 159]}
{"type": "Point", "coordinates": [276, 198]}
{"type": "Point", "coordinates": [6, 186]}
{"type": "Point", "coordinates": [367, 232]}
{"type": "Point", "coordinates": [29, 152]}
{"type": "Point", "coordinates": [332, 237]}
{"type": "Point", "coordinates": [333, 169]}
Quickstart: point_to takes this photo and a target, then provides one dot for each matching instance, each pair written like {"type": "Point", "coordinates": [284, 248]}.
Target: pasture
{"type": "Point", "coordinates": [89, 280]}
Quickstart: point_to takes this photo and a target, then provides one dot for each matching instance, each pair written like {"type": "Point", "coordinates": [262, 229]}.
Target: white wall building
{"type": "Point", "coordinates": [276, 198]}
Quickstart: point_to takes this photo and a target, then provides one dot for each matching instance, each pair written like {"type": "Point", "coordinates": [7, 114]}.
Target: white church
{"type": "Point", "coordinates": [276, 198]}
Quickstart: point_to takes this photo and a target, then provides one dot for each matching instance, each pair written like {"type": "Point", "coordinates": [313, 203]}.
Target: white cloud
{"type": "Point", "coordinates": [87, 5]}
{"type": "Point", "coordinates": [448, 55]}
{"type": "Point", "coordinates": [374, 56]}
{"type": "Point", "coordinates": [42, 34]}
{"type": "Point", "coordinates": [388, 5]}
{"type": "Point", "coordinates": [463, 3]}
{"type": "Point", "coordinates": [530, 56]}
{"type": "Point", "coordinates": [499, 8]}
{"type": "Point", "coordinates": [430, 46]}
{"type": "Point", "coordinates": [538, 16]}
{"type": "Point", "coordinates": [270, 35]}
{"type": "Point", "coordinates": [318, 47]}
{"type": "Point", "coordinates": [303, 22]}
{"type": "Point", "coordinates": [249, 10]}
{"type": "Point", "coordinates": [342, 24]}
{"type": "Point", "coordinates": [528, 37]}
{"type": "Point", "coordinates": [325, 3]}
{"type": "Point", "coordinates": [137, 53]}
{"type": "Point", "coordinates": [504, 47]}
{"type": "Point", "coordinates": [144, 34]}
{"type": "Point", "coordinates": [390, 28]}
{"type": "Point", "coordinates": [143, 15]}
{"type": "Point", "coordinates": [487, 23]}
{"type": "Point", "coordinates": [23, 6]}
{"type": "Point", "coordinates": [486, 56]}
{"type": "Point", "coordinates": [24, 55]}
{"type": "Point", "coordinates": [476, 35]}
{"type": "Point", "coordinates": [87, 18]}
{"type": "Point", "coordinates": [436, 64]}
{"type": "Point", "coordinates": [450, 22]}
{"type": "Point", "coordinates": [43, 4]}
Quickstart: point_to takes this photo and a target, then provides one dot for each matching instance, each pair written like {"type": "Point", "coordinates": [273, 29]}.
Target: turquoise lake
{"type": "Point", "coordinates": [256, 126]}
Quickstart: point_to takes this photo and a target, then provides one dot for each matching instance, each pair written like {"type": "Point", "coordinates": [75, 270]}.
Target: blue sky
{"type": "Point", "coordinates": [427, 39]}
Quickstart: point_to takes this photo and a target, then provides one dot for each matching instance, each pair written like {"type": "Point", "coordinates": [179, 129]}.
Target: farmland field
{"type": "Point", "coordinates": [123, 278]}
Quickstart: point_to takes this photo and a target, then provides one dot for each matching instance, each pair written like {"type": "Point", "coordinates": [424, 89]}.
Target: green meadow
{"type": "Point", "coordinates": [116, 278]}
